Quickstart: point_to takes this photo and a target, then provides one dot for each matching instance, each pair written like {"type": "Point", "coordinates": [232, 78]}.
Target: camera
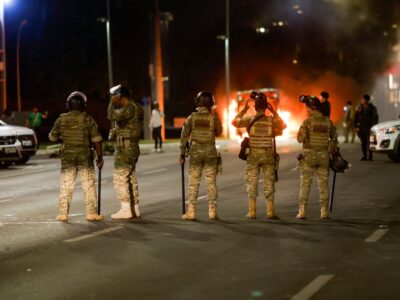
{"type": "Point", "coordinates": [305, 99]}
{"type": "Point", "coordinates": [310, 101]}
{"type": "Point", "coordinates": [253, 95]}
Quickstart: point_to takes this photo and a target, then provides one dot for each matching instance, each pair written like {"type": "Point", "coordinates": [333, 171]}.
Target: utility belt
{"type": "Point", "coordinates": [308, 150]}
{"type": "Point", "coordinates": [261, 149]}
{"type": "Point", "coordinates": [195, 143]}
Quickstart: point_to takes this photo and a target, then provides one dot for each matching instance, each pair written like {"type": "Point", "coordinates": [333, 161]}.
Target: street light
{"type": "Point", "coordinates": [225, 38]}
{"type": "Point", "coordinates": [23, 22]}
{"type": "Point", "coordinates": [227, 69]}
{"type": "Point", "coordinates": [3, 55]}
{"type": "Point", "coordinates": [109, 54]}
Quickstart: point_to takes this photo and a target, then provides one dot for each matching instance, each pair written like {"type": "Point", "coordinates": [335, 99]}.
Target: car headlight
{"type": "Point", "coordinates": [388, 130]}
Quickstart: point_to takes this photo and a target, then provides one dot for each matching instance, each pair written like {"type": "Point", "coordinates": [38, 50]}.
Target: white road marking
{"type": "Point", "coordinates": [155, 171]}
{"type": "Point", "coordinates": [24, 172]}
{"type": "Point", "coordinates": [294, 169]}
{"type": "Point", "coordinates": [314, 286]}
{"type": "Point", "coordinates": [376, 235]}
{"type": "Point", "coordinates": [36, 222]}
{"type": "Point", "coordinates": [6, 200]}
{"type": "Point", "coordinates": [90, 235]}
{"type": "Point", "coordinates": [201, 197]}
{"type": "Point", "coordinates": [75, 215]}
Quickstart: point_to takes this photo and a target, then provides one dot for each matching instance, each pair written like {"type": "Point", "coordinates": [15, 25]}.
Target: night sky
{"type": "Point", "coordinates": [340, 46]}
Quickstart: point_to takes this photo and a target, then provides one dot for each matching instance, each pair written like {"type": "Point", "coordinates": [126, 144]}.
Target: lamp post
{"type": "Point", "coordinates": [23, 22]}
{"type": "Point", "coordinates": [109, 54]}
{"type": "Point", "coordinates": [3, 56]}
{"type": "Point", "coordinates": [227, 68]}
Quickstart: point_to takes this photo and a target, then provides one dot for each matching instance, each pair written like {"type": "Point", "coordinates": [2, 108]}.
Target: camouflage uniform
{"type": "Point", "coordinates": [128, 128]}
{"type": "Point", "coordinates": [77, 130]}
{"type": "Point", "coordinates": [201, 128]}
{"type": "Point", "coordinates": [261, 157]}
{"type": "Point", "coordinates": [319, 138]}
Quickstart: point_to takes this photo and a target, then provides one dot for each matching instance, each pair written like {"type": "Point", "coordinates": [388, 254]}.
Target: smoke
{"type": "Point", "coordinates": [339, 46]}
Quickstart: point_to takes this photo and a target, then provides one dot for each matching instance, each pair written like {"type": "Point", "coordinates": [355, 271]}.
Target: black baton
{"type": "Point", "coordinates": [332, 192]}
{"type": "Point", "coordinates": [183, 188]}
{"type": "Point", "coordinates": [99, 193]}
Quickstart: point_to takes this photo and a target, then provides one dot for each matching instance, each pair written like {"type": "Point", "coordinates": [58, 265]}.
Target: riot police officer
{"type": "Point", "coordinates": [77, 131]}
{"type": "Point", "coordinates": [262, 156]}
{"type": "Point", "coordinates": [319, 138]}
{"type": "Point", "coordinates": [128, 124]}
{"type": "Point", "coordinates": [200, 130]}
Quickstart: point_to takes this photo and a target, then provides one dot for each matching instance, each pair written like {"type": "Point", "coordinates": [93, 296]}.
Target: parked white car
{"type": "Point", "coordinates": [385, 139]}
{"type": "Point", "coordinates": [17, 144]}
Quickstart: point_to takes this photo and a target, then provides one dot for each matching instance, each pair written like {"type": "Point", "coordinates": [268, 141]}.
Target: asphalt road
{"type": "Point", "coordinates": [354, 255]}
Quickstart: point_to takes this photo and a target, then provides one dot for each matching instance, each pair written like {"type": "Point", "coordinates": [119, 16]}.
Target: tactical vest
{"type": "Point", "coordinates": [261, 133]}
{"type": "Point", "coordinates": [138, 121]}
{"type": "Point", "coordinates": [319, 131]}
{"type": "Point", "coordinates": [203, 128]}
{"type": "Point", "coordinates": [74, 131]}
{"type": "Point", "coordinates": [127, 129]}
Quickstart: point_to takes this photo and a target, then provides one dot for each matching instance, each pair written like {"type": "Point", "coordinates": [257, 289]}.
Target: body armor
{"type": "Point", "coordinates": [138, 120]}
{"type": "Point", "coordinates": [319, 131]}
{"type": "Point", "coordinates": [261, 133]}
{"type": "Point", "coordinates": [202, 128]}
{"type": "Point", "coordinates": [126, 130]}
{"type": "Point", "coordinates": [75, 134]}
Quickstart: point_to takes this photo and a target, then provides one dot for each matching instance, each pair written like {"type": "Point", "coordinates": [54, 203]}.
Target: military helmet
{"type": "Point", "coordinates": [338, 164]}
{"type": "Point", "coordinates": [260, 101]}
{"type": "Point", "coordinates": [76, 101]}
{"type": "Point", "coordinates": [205, 99]}
{"type": "Point", "coordinates": [120, 90]}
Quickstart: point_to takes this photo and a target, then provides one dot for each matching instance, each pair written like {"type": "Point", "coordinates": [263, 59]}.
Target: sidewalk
{"type": "Point", "coordinates": [146, 146]}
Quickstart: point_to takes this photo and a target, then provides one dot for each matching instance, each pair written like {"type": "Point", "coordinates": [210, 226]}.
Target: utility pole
{"type": "Point", "coordinates": [3, 73]}
{"type": "Point", "coordinates": [156, 73]}
{"type": "Point", "coordinates": [23, 22]}
{"type": "Point", "coordinates": [109, 54]}
{"type": "Point", "coordinates": [227, 69]}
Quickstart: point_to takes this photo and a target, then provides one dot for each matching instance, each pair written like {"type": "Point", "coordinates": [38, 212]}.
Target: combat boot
{"type": "Point", "coordinates": [62, 218]}
{"type": "Point", "coordinates": [212, 211]}
{"type": "Point", "coordinates": [252, 209]}
{"type": "Point", "coordinates": [302, 212]}
{"type": "Point", "coordinates": [124, 213]}
{"type": "Point", "coordinates": [271, 211]}
{"type": "Point", "coordinates": [94, 217]}
{"type": "Point", "coordinates": [324, 212]}
{"type": "Point", "coordinates": [190, 213]}
{"type": "Point", "coordinates": [135, 211]}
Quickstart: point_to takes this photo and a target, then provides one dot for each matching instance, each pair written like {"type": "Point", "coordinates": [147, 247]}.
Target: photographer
{"type": "Point", "coordinates": [262, 156]}
{"type": "Point", "coordinates": [319, 138]}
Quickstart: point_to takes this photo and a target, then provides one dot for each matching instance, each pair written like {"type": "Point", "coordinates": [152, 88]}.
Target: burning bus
{"type": "Point", "coordinates": [274, 97]}
{"type": "Point", "coordinates": [271, 94]}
